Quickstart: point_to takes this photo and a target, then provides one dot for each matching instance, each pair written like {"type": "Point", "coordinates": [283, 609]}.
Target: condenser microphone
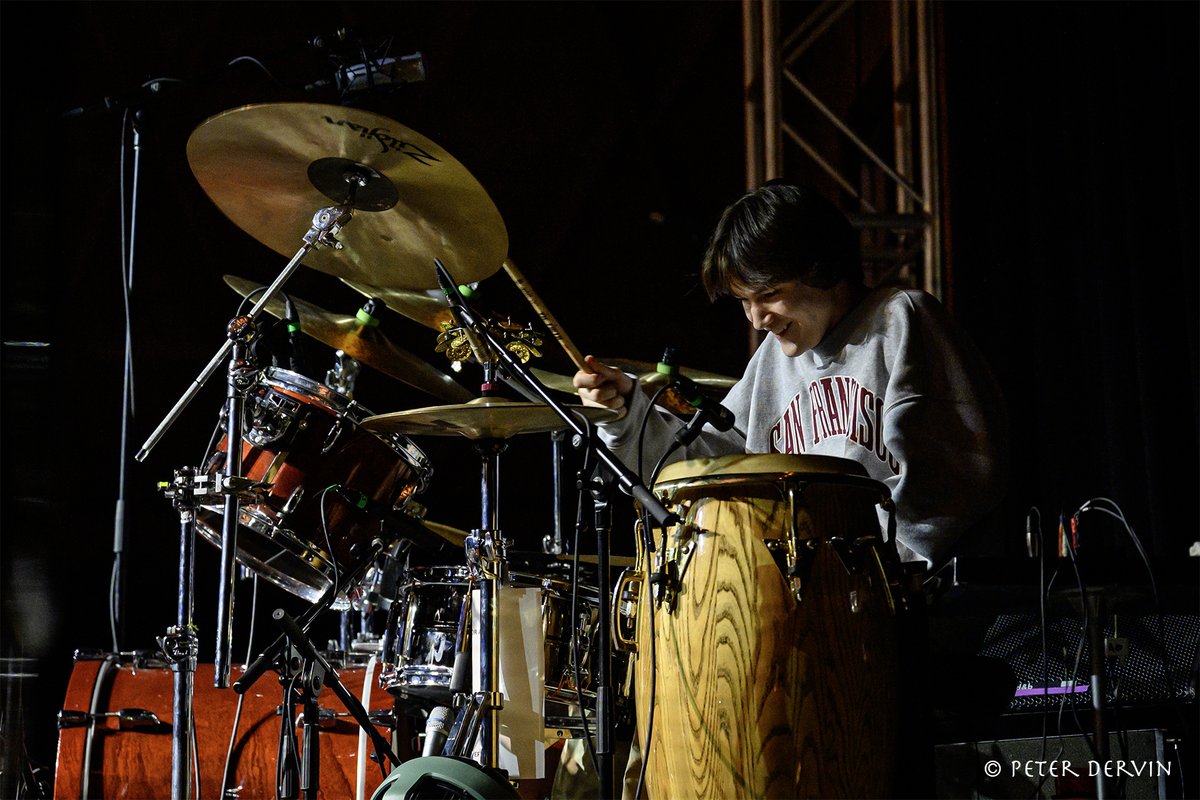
{"type": "Point", "coordinates": [291, 320]}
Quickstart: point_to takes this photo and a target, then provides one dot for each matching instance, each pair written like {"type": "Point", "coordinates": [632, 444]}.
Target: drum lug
{"type": "Point", "coordinates": [850, 553]}
{"type": "Point", "coordinates": [664, 585]}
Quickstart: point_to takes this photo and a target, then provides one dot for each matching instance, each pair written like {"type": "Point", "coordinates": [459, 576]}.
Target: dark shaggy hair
{"type": "Point", "coordinates": [781, 232]}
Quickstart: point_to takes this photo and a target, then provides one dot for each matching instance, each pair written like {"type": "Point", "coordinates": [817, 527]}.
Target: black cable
{"type": "Point", "coordinates": [648, 548]}
{"type": "Point", "coordinates": [237, 714]}
{"type": "Point", "coordinates": [643, 422]}
{"type": "Point", "coordinates": [1034, 512]}
{"type": "Point", "coordinates": [1083, 604]}
{"type": "Point", "coordinates": [328, 544]}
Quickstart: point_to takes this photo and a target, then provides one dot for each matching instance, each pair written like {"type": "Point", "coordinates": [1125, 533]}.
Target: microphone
{"type": "Point", "coordinates": [291, 320]}
{"type": "Point", "coordinates": [437, 730]}
{"type": "Point", "coordinates": [717, 415]}
{"type": "Point", "coordinates": [375, 73]}
{"type": "Point", "coordinates": [684, 393]}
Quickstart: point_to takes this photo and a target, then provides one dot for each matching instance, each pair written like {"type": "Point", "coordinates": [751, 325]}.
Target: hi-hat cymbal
{"type": "Point", "coordinates": [647, 372]}
{"type": "Point", "coordinates": [426, 307]}
{"type": "Point", "coordinates": [271, 167]}
{"type": "Point", "coordinates": [482, 418]}
{"type": "Point", "coordinates": [342, 332]}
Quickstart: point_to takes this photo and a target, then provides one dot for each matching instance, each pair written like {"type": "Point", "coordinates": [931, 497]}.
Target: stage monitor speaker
{"type": "Point", "coordinates": [1143, 767]}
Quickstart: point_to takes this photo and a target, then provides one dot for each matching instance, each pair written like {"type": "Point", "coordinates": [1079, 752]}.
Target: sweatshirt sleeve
{"type": "Point", "coordinates": [623, 435]}
{"type": "Point", "coordinates": [946, 425]}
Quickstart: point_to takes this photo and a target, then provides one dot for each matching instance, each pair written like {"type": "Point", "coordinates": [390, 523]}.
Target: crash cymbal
{"type": "Point", "coordinates": [342, 332]}
{"type": "Point", "coordinates": [427, 307]}
{"type": "Point", "coordinates": [482, 418]}
{"type": "Point", "coordinates": [271, 167]}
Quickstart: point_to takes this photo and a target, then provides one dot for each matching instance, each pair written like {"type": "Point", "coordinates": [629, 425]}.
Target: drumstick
{"type": "Point", "coordinates": [544, 313]}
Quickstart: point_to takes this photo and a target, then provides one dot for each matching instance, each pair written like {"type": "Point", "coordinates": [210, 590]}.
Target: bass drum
{"type": "Point", "coordinates": [130, 751]}
{"type": "Point", "coordinates": [774, 634]}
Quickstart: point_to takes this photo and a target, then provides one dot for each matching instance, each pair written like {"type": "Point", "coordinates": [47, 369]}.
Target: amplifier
{"type": "Point", "coordinates": [1148, 662]}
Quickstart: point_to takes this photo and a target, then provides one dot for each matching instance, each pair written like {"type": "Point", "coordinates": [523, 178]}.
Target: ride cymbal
{"type": "Point", "coordinates": [342, 332]}
{"type": "Point", "coordinates": [271, 167]}
{"type": "Point", "coordinates": [482, 418]}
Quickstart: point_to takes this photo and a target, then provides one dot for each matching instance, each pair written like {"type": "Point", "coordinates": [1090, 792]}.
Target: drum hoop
{"type": "Point", "coordinates": [305, 388]}
{"type": "Point", "coordinates": [761, 478]}
{"type": "Point", "coordinates": [255, 520]}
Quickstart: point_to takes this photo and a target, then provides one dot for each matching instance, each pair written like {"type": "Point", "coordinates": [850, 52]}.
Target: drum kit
{"type": "Point", "coordinates": [750, 648]}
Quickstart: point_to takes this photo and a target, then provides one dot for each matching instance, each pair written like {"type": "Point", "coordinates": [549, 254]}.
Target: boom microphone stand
{"type": "Point", "coordinates": [626, 479]}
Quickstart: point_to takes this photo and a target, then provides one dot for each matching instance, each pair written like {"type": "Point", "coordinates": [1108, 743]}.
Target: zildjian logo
{"type": "Point", "coordinates": [386, 141]}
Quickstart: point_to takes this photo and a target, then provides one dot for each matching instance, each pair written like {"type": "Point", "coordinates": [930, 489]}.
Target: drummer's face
{"type": "Point", "coordinates": [797, 315]}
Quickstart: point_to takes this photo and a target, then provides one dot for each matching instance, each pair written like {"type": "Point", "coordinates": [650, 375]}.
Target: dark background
{"type": "Point", "coordinates": [609, 136]}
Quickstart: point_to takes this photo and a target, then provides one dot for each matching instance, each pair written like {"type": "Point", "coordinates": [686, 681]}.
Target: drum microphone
{"type": "Point", "coordinates": [437, 730]}
{"type": "Point", "coordinates": [291, 320]}
{"type": "Point", "coordinates": [407, 526]}
{"type": "Point", "coordinates": [686, 390]}
{"type": "Point", "coordinates": [717, 415]}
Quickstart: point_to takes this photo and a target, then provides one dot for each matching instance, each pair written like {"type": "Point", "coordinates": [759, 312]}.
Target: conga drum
{"type": "Point", "coordinates": [766, 652]}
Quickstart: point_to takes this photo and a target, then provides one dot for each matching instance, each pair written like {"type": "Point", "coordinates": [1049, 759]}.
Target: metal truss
{"type": "Point", "coordinates": [846, 95]}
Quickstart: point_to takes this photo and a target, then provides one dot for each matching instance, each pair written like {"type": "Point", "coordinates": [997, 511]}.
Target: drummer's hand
{"type": "Point", "coordinates": [604, 386]}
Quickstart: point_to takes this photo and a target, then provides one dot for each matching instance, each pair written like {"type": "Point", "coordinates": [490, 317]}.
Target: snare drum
{"type": "Point", "coordinates": [433, 617]}
{"type": "Point", "coordinates": [774, 633]}
{"type": "Point", "coordinates": [301, 438]}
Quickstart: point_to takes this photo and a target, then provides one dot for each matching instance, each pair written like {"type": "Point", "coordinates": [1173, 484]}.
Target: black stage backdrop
{"type": "Point", "coordinates": [609, 136]}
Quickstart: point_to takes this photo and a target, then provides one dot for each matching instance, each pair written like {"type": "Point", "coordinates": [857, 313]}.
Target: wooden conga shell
{"type": "Point", "coordinates": [759, 694]}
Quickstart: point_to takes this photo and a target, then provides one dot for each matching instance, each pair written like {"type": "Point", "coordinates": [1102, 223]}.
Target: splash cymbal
{"type": "Point", "coordinates": [342, 332]}
{"type": "Point", "coordinates": [482, 418]}
{"type": "Point", "coordinates": [271, 167]}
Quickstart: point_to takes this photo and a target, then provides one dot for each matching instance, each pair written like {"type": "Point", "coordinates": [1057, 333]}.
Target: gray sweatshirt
{"type": "Point", "coordinates": [895, 386]}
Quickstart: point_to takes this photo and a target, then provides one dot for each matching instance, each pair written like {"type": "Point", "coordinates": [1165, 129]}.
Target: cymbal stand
{"type": "Point", "coordinates": [623, 477]}
{"type": "Point", "coordinates": [553, 545]}
{"type": "Point", "coordinates": [601, 485]}
{"type": "Point", "coordinates": [326, 224]}
{"type": "Point", "coordinates": [180, 646]}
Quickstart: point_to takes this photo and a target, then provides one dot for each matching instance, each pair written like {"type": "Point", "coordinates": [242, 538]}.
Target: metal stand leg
{"type": "Point", "coordinates": [601, 489]}
{"type": "Point", "coordinates": [180, 644]}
